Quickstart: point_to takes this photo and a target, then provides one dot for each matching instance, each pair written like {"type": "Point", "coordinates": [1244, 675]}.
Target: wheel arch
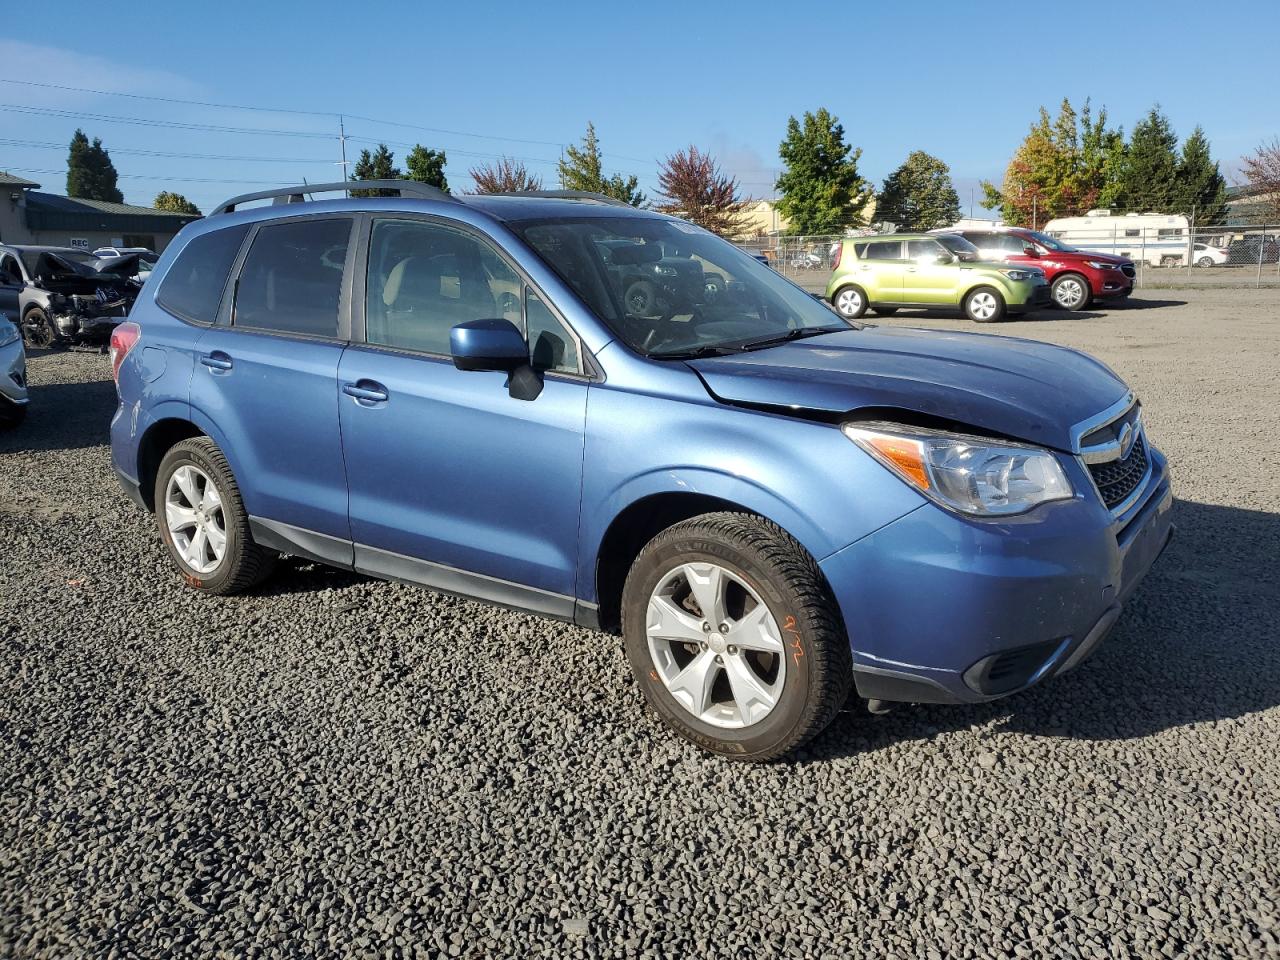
{"type": "Point", "coordinates": [158, 439]}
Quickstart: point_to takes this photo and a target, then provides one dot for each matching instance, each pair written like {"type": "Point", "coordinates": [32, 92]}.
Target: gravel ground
{"type": "Point", "coordinates": [340, 767]}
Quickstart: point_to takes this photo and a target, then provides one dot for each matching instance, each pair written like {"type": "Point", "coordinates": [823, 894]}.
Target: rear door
{"type": "Point", "coordinates": [879, 270]}
{"type": "Point", "coordinates": [266, 377]}
{"type": "Point", "coordinates": [11, 284]}
{"type": "Point", "coordinates": [454, 482]}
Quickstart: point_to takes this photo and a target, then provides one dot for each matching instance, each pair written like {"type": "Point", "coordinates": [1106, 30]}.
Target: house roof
{"type": "Point", "coordinates": [48, 211]}
{"type": "Point", "coordinates": [10, 180]}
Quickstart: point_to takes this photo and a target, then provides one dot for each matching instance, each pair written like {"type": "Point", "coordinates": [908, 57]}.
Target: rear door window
{"type": "Point", "coordinates": [192, 288]}
{"type": "Point", "coordinates": [882, 250]}
{"type": "Point", "coordinates": [291, 280]}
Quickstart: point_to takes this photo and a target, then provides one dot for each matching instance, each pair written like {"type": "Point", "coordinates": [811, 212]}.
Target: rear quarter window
{"type": "Point", "coordinates": [193, 286]}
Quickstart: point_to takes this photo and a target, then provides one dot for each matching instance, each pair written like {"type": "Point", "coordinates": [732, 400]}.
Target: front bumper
{"type": "Point", "coordinates": [1037, 297]}
{"type": "Point", "coordinates": [13, 373]}
{"type": "Point", "coordinates": [1111, 283]}
{"type": "Point", "coordinates": [943, 609]}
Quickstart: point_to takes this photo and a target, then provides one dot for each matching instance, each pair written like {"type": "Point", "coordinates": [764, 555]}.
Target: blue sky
{"type": "Point", "coordinates": [960, 80]}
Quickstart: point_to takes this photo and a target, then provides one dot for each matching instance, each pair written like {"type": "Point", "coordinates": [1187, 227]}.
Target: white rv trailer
{"type": "Point", "coordinates": [1153, 239]}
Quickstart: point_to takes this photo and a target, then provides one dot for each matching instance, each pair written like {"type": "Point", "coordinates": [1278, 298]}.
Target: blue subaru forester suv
{"type": "Point", "coordinates": [565, 405]}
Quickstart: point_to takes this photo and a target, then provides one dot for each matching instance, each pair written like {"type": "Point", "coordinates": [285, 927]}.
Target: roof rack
{"type": "Point", "coordinates": [565, 195]}
{"type": "Point", "coordinates": [282, 195]}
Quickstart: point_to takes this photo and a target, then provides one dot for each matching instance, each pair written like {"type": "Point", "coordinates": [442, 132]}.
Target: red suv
{"type": "Point", "coordinates": [1076, 276]}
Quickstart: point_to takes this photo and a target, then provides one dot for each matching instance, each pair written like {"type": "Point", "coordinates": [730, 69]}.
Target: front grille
{"type": "Point", "coordinates": [1119, 478]}
{"type": "Point", "coordinates": [1128, 270]}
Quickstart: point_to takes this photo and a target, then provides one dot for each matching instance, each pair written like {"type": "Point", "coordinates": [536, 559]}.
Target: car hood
{"type": "Point", "coordinates": [1022, 389]}
{"type": "Point", "coordinates": [1087, 255]}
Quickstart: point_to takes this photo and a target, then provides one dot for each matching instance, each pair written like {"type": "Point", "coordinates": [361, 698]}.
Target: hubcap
{"type": "Point", "coordinates": [848, 302]}
{"type": "Point", "coordinates": [715, 646]}
{"type": "Point", "coordinates": [1070, 293]}
{"type": "Point", "coordinates": [193, 513]}
{"type": "Point", "coordinates": [983, 305]}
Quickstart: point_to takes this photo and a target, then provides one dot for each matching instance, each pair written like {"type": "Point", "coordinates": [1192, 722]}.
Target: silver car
{"type": "Point", "coordinates": [13, 375]}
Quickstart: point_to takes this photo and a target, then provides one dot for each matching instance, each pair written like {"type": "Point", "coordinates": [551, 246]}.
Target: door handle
{"type": "Point", "coordinates": [216, 360]}
{"type": "Point", "coordinates": [911, 269]}
{"type": "Point", "coordinates": [366, 392]}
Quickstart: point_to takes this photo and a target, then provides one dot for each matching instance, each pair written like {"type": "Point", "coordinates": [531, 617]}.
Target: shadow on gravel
{"type": "Point", "coordinates": [1195, 644]}
{"type": "Point", "coordinates": [1142, 303]}
{"type": "Point", "coordinates": [64, 416]}
{"type": "Point", "coordinates": [295, 575]}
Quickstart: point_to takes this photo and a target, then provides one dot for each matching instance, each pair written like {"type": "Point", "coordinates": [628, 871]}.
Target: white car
{"type": "Point", "coordinates": [13, 375]}
{"type": "Point", "coordinates": [1203, 255]}
{"type": "Point", "coordinates": [146, 258]}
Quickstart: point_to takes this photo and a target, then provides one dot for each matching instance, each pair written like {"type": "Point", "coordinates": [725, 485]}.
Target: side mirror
{"type": "Point", "coordinates": [945, 258]}
{"type": "Point", "coordinates": [1030, 251]}
{"type": "Point", "coordinates": [488, 345]}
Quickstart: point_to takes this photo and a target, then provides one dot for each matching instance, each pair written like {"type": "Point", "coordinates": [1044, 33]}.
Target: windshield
{"type": "Point", "coordinates": [958, 245]}
{"type": "Point", "coordinates": [1050, 242]}
{"type": "Point", "coordinates": [670, 289]}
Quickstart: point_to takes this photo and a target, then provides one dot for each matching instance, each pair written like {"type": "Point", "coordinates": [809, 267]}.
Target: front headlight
{"type": "Point", "coordinates": [1097, 265]}
{"type": "Point", "coordinates": [8, 333]}
{"type": "Point", "coordinates": [972, 475]}
{"type": "Point", "coordinates": [1018, 274]}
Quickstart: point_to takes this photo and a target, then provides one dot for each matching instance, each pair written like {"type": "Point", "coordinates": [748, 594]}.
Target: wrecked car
{"type": "Point", "coordinates": [67, 296]}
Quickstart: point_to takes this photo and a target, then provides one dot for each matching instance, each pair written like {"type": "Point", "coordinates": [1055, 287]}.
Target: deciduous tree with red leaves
{"type": "Point", "coordinates": [694, 188]}
{"type": "Point", "coordinates": [505, 176]}
{"type": "Point", "coordinates": [1262, 169]}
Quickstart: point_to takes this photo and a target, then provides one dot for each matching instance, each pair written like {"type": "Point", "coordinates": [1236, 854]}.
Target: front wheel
{"type": "Point", "coordinates": [1071, 291]}
{"type": "Point", "coordinates": [734, 637]}
{"type": "Point", "coordinates": [984, 305]}
{"type": "Point", "coordinates": [850, 302]}
{"type": "Point", "coordinates": [38, 330]}
{"type": "Point", "coordinates": [203, 521]}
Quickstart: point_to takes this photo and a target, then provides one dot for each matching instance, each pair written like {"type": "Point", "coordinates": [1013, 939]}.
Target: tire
{"type": "Point", "coordinates": [1205, 262]}
{"type": "Point", "coordinates": [242, 564]}
{"type": "Point", "coordinates": [641, 298]}
{"type": "Point", "coordinates": [12, 415]}
{"type": "Point", "coordinates": [850, 302]}
{"type": "Point", "coordinates": [984, 305]}
{"type": "Point", "coordinates": [38, 331]}
{"type": "Point", "coordinates": [1071, 291]}
{"type": "Point", "coordinates": [884, 311]}
{"type": "Point", "coordinates": [799, 658]}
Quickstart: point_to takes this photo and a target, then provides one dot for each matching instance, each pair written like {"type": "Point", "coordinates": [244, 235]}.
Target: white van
{"type": "Point", "coordinates": [1152, 239]}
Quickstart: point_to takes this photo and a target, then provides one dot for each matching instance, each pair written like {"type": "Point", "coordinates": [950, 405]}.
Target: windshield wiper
{"type": "Point", "coordinates": [796, 334]}
{"type": "Point", "coordinates": [706, 350]}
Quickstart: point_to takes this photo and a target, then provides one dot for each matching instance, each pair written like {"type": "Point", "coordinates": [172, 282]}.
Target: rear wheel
{"type": "Point", "coordinates": [203, 521]}
{"type": "Point", "coordinates": [38, 330]}
{"type": "Point", "coordinates": [850, 302]}
{"type": "Point", "coordinates": [734, 637]}
{"type": "Point", "coordinates": [984, 305]}
{"type": "Point", "coordinates": [1071, 291]}
{"type": "Point", "coordinates": [1205, 262]}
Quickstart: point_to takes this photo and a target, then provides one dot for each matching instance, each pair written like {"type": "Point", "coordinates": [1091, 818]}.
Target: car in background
{"type": "Point", "coordinates": [146, 258]}
{"type": "Point", "coordinates": [1253, 249]}
{"type": "Point", "coordinates": [884, 273]}
{"type": "Point", "coordinates": [66, 295]}
{"type": "Point", "coordinates": [770, 504]}
{"type": "Point", "coordinates": [13, 376]}
{"type": "Point", "coordinates": [1076, 277]}
{"type": "Point", "coordinates": [1203, 255]}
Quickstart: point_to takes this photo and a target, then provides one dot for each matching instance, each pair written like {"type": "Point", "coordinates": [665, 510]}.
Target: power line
{"type": "Point", "coordinates": [44, 145]}
{"type": "Point", "coordinates": [138, 176]}
{"type": "Point", "coordinates": [171, 124]}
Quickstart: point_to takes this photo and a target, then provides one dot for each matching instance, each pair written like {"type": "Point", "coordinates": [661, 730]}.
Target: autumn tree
{"type": "Point", "coordinates": [90, 173]}
{"type": "Point", "coordinates": [427, 166]}
{"type": "Point", "coordinates": [694, 188]}
{"type": "Point", "coordinates": [506, 176]}
{"type": "Point", "coordinates": [582, 168]}
{"type": "Point", "coordinates": [821, 190]}
{"type": "Point", "coordinates": [175, 203]}
{"type": "Point", "coordinates": [1262, 171]}
{"type": "Point", "coordinates": [378, 165]}
{"type": "Point", "coordinates": [919, 195]}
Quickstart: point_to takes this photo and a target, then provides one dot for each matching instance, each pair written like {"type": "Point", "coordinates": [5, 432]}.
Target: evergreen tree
{"type": "Point", "coordinates": [1147, 178]}
{"type": "Point", "coordinates": [1199, 184]}
{"type": "Point", "coordinates": [919, 195]}
{"type": "Point", "coordinates": [90, 173]}
{"type": "Point", "coordinates": [175, 203]}
{"type": "Point", "coordinates": [378, 165]}
{"type": "Point", "coordinates": [582, 168]}
{"type": "Point", "coordinates": [427, 166]}
{"type": "Point", "coordinates": [821, 190]}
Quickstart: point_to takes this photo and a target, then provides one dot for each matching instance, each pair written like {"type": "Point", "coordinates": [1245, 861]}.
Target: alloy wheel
{"type": "Point", "coordinates": [1069, 293]}
{"type": "Point", "coordinates": [715, 645]}
{"type": "Point", "coordinates": [849, 302]}
{"type": "Point", "coordinates": [983, 305]}
{"type": "Point", "coordinates": [194, 515]}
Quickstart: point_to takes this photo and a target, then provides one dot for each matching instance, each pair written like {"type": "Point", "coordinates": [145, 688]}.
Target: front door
{"type": "Point", "coordinates": [268, 382]}
{"type": "Point", "coordinates": [454, 483]}
{"type": "Point", "coordinates": [11, 284]}
{"type": "Point", "coordinates": [926, 279]}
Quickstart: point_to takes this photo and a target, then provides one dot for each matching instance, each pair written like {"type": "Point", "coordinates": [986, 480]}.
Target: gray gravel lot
{"type": "Point", "coordinates": [340, 767]}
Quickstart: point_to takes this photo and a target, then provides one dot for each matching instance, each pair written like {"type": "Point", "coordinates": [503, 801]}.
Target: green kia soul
{"type": "Point", "coordinates": [923, 270]}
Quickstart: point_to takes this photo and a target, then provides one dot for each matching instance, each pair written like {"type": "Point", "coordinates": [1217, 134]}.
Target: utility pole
{"type": "Point", "coordinates": [342, 140]}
